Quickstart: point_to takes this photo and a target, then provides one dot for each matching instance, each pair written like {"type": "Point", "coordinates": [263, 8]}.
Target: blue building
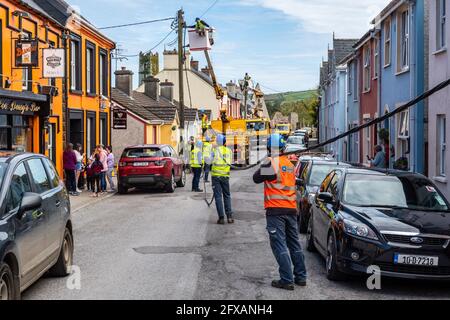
{"type": "Point", "coordinates": [402, 53]}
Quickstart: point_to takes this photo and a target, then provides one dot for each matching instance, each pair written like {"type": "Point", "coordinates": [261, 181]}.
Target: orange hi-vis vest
{"type": "Point", "coordinates": [281, 193]}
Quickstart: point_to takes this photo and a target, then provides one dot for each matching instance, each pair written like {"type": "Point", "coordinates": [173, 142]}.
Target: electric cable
{"type": "Point", "coordinates": [135, 24]}
{"type": "Point", "coordinates": [209, 8]}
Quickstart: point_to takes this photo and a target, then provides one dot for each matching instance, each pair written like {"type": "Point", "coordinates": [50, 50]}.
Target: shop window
{"type": "Point", "coordinates": [103, 72]}
{"type": "Point", "coordinates": [90, 68]}
{"type": "Point", "coordinates": [15, 133]}
{"type": "Point", "coordinates": [441, 145]}
{"type": "Point", "coordinates": [75, 63]}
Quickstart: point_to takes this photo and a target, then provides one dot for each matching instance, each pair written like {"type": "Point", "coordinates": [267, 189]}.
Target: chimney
{"type": "Point", "coordinates": [151, 85]}
{"type": "Point", "coordinates": [124, 80]}
{"type": "Point", "coordinates": [194, 64]}
{"type": "Point", "coordinates": [167, 90]}
{"type": "Point", "coordinates": [205, 70]}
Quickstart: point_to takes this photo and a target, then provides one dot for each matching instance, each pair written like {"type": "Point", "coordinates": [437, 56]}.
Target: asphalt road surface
{"type": "Point", "coordinates": [149, 245]}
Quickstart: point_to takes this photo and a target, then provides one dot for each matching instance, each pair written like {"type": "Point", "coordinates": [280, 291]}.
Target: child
{"type": "Point", "coordinates": [90, 176]}
{"type": "Point", "coordinates": [97, 168]}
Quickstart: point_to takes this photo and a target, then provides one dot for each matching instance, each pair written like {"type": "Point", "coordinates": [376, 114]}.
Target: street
{"type": "Point", "coordinates": [150, 245]}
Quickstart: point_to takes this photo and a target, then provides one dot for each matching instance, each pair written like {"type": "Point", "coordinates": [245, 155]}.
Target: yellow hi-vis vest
{"type": "Point", "coordinates": [221, 165]}
{"type": "Point", "coordinates": [207, 153]}
{"type": "Point", "coordinates": [195, 162]}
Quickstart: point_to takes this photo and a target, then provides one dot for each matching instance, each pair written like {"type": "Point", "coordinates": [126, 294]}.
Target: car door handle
{"type": "Point", "coordinates": [58, 204]}
{"type": "Point", "coordinates": [38, 214]}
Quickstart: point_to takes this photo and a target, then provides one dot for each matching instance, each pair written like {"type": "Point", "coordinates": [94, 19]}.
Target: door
{"type": "Point", "coordinates": [41, 185]}
{"type": "Point", "coordinates": [318, 212]}
{"type": "Point", "coordinates": [52, 142]}
{"type": "Point", "coordinates": [30, 230]}
{"type": "Point", "coordinates": [178, 164]}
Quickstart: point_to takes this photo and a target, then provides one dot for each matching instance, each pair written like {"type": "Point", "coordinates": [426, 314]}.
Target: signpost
{"type": "Point", "coordinates": [27, 53]}
{"type": "Point", "coordinates": [53, 63]}
{"type": "Point", "coordinates": [120, 119]}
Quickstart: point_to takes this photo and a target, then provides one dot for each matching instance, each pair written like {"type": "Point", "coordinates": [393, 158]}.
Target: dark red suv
{"type": "Point", "coordinates": [151, 166]}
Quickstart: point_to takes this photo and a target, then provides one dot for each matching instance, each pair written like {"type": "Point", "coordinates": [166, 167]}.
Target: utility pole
{"type": "Point", "coordinates": [181, 58]}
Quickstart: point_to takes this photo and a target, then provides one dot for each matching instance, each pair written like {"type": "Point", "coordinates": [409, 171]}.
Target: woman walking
{"type": "Point", "coordinates": [97, 168]}
{"type": "Point", "coordinates": [70, 166]}
{"type": "Point", "coordinates": [79, 165]}
{"type": "Point", "coordinates": [109, 173]}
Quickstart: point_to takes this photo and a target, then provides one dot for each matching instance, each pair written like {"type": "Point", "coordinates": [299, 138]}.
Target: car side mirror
{"type": "Point", "coordinates": [30, 201]}
{"type": "Point", "coordinates": [325, 197]}
{"type": "Point", "coordinates": [299, 182]}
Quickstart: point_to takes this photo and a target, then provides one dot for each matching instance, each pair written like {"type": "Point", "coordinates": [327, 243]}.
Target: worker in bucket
{"type": "Point", "coordinates": [280, 202]}
{"type": "Point", "coordinates": [200, 26]}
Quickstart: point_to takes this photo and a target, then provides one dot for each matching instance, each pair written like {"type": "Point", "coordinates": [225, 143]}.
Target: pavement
{"type": "Point", "coordinates": [154, 245]}
{"type": "Point", "coordinates": [85, 199]}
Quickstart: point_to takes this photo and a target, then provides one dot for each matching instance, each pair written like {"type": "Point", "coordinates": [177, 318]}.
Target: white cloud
{"type": "Point", "coordinates": [348, 18]}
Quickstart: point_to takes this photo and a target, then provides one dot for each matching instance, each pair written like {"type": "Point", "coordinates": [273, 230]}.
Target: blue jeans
{"type": "Point", "coordinates": [206, 170]}
{"type": "Point", "coordinates": [283, 233]}
{"type": "Point", "coordinates": [103, 181]}
{"type": "Point", "coordinates": [196, 180]}
{"type": "Point", "coordinates": [222, 196]}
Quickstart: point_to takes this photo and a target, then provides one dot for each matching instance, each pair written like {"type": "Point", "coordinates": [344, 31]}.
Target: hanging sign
{"type": "Point", "coordinates": [120, 119]}
{"type": "Point", "coordinates": [27, 53]}
{"type": "Point", "coordinates": [54, 63]}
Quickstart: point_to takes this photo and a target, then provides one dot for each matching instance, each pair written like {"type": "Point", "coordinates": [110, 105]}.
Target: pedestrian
{"type": "Point", "coordinates": [100, 150]}
{"type": "Point", "coordinates": [196, 166]}
{"type": "Point", "coordinates": [90, 176]}
{"type": "Point", "coordinates": [79, 166]}
{"type": "Point", "coordinates": [220, 171]}
{"type": "Point", "coordinates": [280, 202]}
{"type": "Point", "coordinates": [111, 164]}
{"type": "Point", "coordinates": [70, 166]}
{"type": "Point", "coordinates": [379, 161]}
{"type": "Point", "coordinates": [207, 158]}
{"type": "Point", "coordinates": [97, 169]}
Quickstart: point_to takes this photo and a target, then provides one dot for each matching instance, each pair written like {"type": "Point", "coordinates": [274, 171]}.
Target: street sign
{"type": "Point", "coordinates": [54, 63]}
{"type": "Point", "coordinates": [119, 119]}
{"type": "Point", "coordinates": [26, 53]}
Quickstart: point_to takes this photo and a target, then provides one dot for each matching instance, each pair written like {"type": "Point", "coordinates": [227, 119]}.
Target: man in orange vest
{"type": "Point", "coordinates": [281, 210]}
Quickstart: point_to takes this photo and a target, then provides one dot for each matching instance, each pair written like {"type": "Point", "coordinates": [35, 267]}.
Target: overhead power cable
{"type": "Point", "coordinates": [209, 8]}
{"type": "Point", "coordinates": [136, 24]}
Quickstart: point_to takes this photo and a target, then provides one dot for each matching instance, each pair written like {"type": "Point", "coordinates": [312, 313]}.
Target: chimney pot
{"type": "Point", "coordinates": [152, 89]}
{"type": "Point", "coordinates": [124, 80]}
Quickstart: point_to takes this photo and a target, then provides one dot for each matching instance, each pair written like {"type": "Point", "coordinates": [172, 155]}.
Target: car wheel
{"type": "Point", "coordinates": [171, 186]}
{"type": "Point", "coordinates": [63, 266]}
{"type": "Point", "coordinates": [310, 246]}
{"type": "Point", "coordinates": [302, 223]}
{"type": "Point", "coordinates": [182, 182]}
{"type": "Point", "coordinates": [333, 272]}
{"type": "Point", "coordinates": [121, 189]}
{"type": "Point", "coordinates": [7, 286]}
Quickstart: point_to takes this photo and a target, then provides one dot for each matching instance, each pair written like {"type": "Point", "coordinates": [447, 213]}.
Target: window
{"type": "Point", "coordinates": [441, 145]}
{"type": "Point", "coordinates": [27, 72]}
{"type": "Point", "coordinates": [376, 57]}
{"type": "Point", "coordinates": [103, 73]}
{"type": "Point", "coordinates": [403, 41]}
{"type": "Point", "coordinates": [53, 175]}
{"type": "Point", "coordinates": [355, 81]}
{"type": "Point", "coordinates": [350, 79]}
{"type": "Point", "coordinates": [75, 63]}
{"type": "Point", "coordinates": [15, 134]}
{"type": "Point", "coordinates": [441, 20]}
{"type": "Point", "coordinates": [90, 68]}
{"type": "Point", "coordinates": [403, 134]}
{"type": "Point", "coordinates": [333, 187]}
{"type": "Point", "coordinates": [39, 175]}
{"type": "Point", "coordinates": [20, 184]}
{"type": "Point", "coordinates": [387, 43]}
{"type": "Point", "coordinates": [367, 76]}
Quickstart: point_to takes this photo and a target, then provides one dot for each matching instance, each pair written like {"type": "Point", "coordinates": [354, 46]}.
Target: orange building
{"type": "Point", "coordinates": [49, 98]}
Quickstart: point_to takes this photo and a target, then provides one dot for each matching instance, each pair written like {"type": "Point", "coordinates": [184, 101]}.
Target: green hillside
{"type": "Point", "coordinates": [292, 96]}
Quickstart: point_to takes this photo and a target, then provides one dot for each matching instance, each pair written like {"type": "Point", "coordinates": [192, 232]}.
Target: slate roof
{"type": "Point", "coordinates": [129, 103]}
{"type": "Point", "coordinates": [342, 48]}
{"type": "Point", "coordinates": [163, 109]}
{"type": "Point", "coordinates": [388, 8]}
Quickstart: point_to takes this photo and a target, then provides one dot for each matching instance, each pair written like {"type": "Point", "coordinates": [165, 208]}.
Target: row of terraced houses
{"type": "Point", "coordinates": [402, 56]}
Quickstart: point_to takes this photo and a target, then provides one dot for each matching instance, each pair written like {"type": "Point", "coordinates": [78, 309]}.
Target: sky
{"type": "Point", "coordinates": [280, 43]}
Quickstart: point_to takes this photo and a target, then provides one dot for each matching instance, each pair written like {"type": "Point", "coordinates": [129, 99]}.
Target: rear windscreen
{"type": "Point", "coordinates": [143, 153]}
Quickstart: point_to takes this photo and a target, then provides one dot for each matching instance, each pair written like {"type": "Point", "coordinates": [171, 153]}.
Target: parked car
{"type": "Point", "coordinates": [151, 166]}
{"type": "Point", "coordinates": [35, 223]}
{"type": "Point", "coordinates": [310, 172]}
{"type": "Point", "coordinates": [395, 220]}
{"type": "Point", "coordinates": [304, 134]}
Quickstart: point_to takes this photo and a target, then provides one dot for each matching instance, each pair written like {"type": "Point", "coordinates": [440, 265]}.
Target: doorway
{"type": "Point", "coordinates": [76, 130]}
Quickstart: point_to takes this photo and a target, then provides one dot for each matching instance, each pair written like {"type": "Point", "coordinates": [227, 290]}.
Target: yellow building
{"type": "Point", "coordinates": [49, 98]}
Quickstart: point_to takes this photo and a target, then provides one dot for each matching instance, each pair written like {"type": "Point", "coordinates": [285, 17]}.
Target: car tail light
{"type": "Point", "coordinates": [160, 163]}
{"type": "Point", "coordinates": [122, 164]}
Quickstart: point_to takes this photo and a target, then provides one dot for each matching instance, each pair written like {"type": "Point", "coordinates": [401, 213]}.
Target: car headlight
{"type": "Point", "coordinates": [359, 229]}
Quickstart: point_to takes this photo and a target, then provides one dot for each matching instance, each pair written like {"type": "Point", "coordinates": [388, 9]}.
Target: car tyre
{"type": "Point", "coordinates": [333, 272]}
{"type": "Point", "coordinates": [182, 182]}
{"type": "Point", "coordinates": [63, 266]}
{"type": "Point", "coordinates": [121, 189]}
{"type": "Point", "coordinates": [310, 246]}
{"type": "Point", "coordinates": [7, 285]}
{"type": "Point", "coordinates": [171, 186]}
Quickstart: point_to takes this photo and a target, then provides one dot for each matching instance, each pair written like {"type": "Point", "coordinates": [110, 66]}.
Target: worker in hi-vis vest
{"type": "Point", "coordinates": [197, 165]}
{"type": "Point", "coordinates": [207, 158]}
{"type": "Point", "coordinates": [220, 171]}
{"type": "Point", "coordinates": [280, 202]}
{"type": "Point", "coordinates": [200, 26]}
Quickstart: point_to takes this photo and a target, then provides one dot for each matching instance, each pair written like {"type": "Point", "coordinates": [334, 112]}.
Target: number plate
{"type": "Point", "coordinates": [416, 260]}
{"type": "Point", "coordinates": [140, 164]}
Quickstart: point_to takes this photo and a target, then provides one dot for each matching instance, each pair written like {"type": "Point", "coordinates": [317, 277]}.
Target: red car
{"type": "Point", "coordinates": [151, 166]}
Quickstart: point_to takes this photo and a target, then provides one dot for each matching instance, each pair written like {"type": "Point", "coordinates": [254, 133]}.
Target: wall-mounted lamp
{"type": "Point", "coordinates": [23, 14]}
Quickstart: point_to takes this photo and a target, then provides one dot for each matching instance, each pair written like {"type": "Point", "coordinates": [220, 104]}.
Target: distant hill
{"type": "Point", "coordinates": [292, 96]}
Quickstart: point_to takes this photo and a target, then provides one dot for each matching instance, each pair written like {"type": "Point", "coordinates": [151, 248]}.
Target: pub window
{"type": "Point", "coordinates": [103, 73]}
{"type": "Point", "coordinates": [75, 64]}
{"type": "Point", "coordinates": [27, 72]}
{"type": "Point", "coordinates": [15, 133]}
{"type": "Point", "coordinates": [90, 68]}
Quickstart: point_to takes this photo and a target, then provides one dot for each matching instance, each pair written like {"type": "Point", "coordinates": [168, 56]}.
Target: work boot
{"type": "Point", "coordinates": [285, 286]}
{"type": "Point", "coordinates": [221, 221]}
{"type": "Point", "coordinates": [301, 283]}
{"type": "Point", "coordinates": [198, 190]}
{"type": "Point", "coordinates": [230, 220]}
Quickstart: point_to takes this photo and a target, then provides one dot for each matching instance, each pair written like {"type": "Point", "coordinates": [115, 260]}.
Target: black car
{"type": "Point", "coordinates": [397, 221]}
{"type": "Point", "coordinates": [310, 172]}
{"type": "Point", "coordinates": [35, 223]}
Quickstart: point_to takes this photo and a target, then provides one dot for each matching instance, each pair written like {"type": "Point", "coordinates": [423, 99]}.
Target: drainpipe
{"type": "Point", "coordinates": [413, 77]}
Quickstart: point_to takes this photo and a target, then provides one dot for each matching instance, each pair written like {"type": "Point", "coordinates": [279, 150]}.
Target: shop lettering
{"type": "Point", "coordinates": [20, 51]}
{"type": "Point", "coordinates": [19, 107]}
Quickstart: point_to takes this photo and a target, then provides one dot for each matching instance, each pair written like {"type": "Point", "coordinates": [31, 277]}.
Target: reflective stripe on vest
{"type": "Point", "coordinates": [281, 193]}
{"type": "Point", "coordinates": [194, 158]}
{"type": "Point", "coordinates": [221, 165]}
